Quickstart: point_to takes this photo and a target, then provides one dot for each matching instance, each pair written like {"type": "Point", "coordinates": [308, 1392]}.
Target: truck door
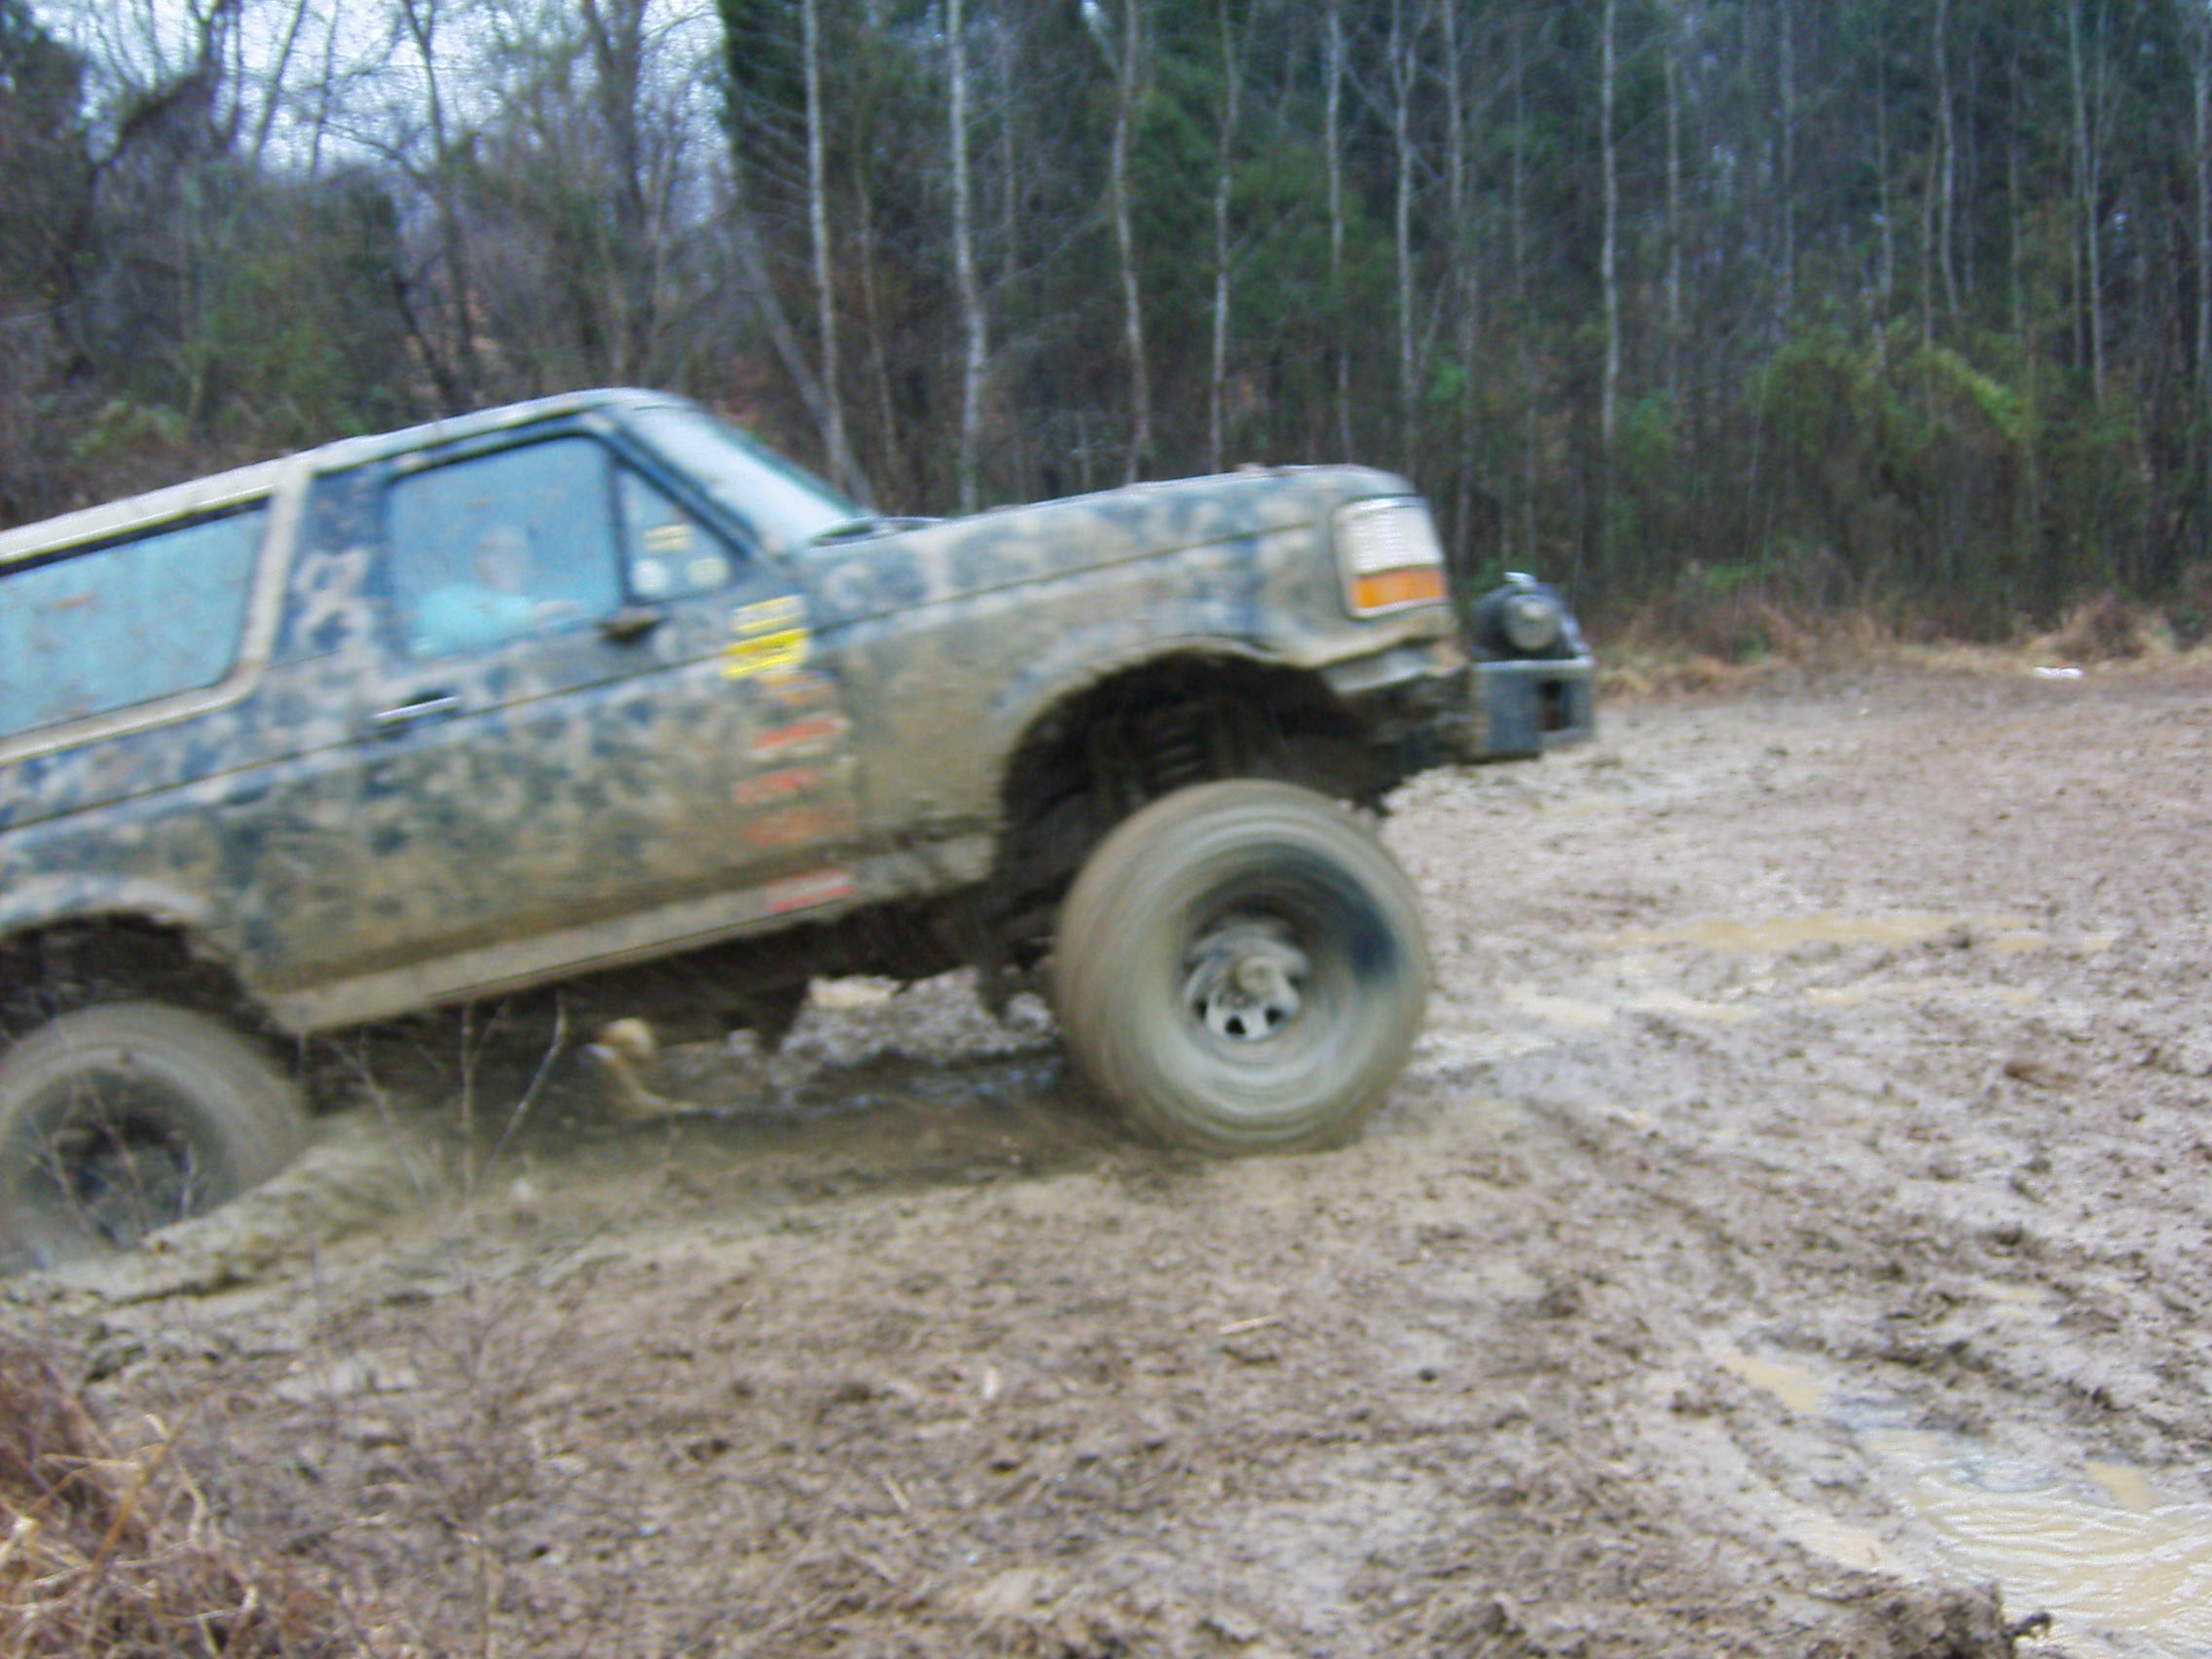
{"type": "Point", "coordinates": [592, 709]}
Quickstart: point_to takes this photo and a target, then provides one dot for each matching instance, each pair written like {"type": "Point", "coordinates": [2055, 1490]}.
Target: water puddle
{"type": "Point", "coordinates": [1584, 1014]}
{"type": "Point", "coordinates": [1587, 1013]}
{"type": "Point", "coordinates": [1581, 1015]}
{"type": "Point", "coordinates": [1690, 1008]}
{"type": "Point", "coordinates": [1859, 995]}
{"type": "Point", "coordinates": [2102, 1547]}
{"type": "Point", "coordinates": [2122, 1566]}
{"type": "Point", "coordinates": [1829, 927]}
{"type": "Point", "coordinates": [1443, 1046]}
{"type": "Point", "coordinates": [2003, 934]}
{"type": "Point", "coordinates": [1793, 1384]}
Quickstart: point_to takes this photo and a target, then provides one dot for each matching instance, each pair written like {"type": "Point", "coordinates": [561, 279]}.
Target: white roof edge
{"type": "Point", "coordinates": [244, 482]}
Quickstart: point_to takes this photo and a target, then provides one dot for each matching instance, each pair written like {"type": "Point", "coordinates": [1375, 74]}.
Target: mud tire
{"type": "Point", "coordinates": [122, 1118]}
{"type": "Point", "coordinates": [1154, 938]}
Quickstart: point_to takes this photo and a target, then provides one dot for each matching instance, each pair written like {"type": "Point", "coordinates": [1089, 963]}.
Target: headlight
{"type": "Point", "coordinates": [1387, 553]}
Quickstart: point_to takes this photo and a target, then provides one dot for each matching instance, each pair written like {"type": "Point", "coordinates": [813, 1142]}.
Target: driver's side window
{"type": "Point", "coordinates": [671, 554]}
{"type": "Point", "coordinates": [502, 545]}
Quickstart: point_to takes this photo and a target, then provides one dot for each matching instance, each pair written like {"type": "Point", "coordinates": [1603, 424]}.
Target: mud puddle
{"type": "Point", "coordinates": [888, 1123]}
{"type": "Point", "coordinates": [2121, 1563]}
{"type": "Point", "coordinates": [875, 1096]}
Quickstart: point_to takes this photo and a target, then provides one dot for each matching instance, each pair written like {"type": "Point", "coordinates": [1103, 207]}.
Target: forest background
{"type": "Point", "coordinates": [1900, 306]}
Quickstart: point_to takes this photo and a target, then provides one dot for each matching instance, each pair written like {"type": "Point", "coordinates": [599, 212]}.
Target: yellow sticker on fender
{"type": "Point", "coordinates": [769, 616]}
{"type": "Point", "coordinates": [744, 658]}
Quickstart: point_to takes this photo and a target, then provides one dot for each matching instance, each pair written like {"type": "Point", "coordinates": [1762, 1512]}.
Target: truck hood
{"type": "Point", "coordinates": [851, 581]}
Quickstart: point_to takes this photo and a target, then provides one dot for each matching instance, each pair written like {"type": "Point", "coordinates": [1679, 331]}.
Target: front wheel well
{"type": "Point", "coordinates": [1108, 749]}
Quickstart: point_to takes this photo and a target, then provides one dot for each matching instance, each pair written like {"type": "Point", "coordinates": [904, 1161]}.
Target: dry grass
{"type": "Point", "coordinates": [114, 1551]}
{"type": "Point", "coordinates": [1676, 651]}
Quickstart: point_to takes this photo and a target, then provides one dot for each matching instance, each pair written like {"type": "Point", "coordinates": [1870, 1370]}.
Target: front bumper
{"type": "Point", "coordinates": [1520, 709]}
{"type": "Point", "coordinates": [1428, 714]}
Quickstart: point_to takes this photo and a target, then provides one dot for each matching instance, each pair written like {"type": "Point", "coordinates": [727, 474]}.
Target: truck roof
{"type": "Point", "coordinates": [244, 482]}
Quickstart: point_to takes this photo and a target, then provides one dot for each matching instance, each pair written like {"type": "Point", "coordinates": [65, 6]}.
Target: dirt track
{"type": "Point", "coordinates": [1795, 1215]}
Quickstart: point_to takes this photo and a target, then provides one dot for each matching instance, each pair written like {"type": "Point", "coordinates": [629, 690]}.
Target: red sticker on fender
{"type": "Point", "coordinates": [772, 787]}
{"type": "Point", "coordinates": [816, 732]}
{"type": "Point", "coordinates": [796, 825]}
{"type": "Point", "coordinates": [799, 892]}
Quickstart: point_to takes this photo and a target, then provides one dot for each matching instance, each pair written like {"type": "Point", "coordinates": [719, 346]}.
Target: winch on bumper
{"type": "Point", "coordinates": [1527, 685]}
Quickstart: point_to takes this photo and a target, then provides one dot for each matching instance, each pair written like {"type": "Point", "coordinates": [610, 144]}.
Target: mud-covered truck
{"type": "Point", "coordinates": [595, 692]}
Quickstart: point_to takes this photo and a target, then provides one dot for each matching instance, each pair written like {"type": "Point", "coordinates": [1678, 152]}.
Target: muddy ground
{"type": "Point", "coordinates": [1790, 1238]}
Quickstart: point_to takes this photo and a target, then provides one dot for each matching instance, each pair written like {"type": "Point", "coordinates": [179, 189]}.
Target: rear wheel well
{"type": "Point", "coordinates": [1110, 749]}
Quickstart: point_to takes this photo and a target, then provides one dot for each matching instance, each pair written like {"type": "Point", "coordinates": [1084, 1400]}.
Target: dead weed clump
{"type": "Point", "coordinates": [113, 1552]}
{"type": "Point", "coordinates": [2103, 628]}
{"type": "Point", "coordinates": [1682, 649]}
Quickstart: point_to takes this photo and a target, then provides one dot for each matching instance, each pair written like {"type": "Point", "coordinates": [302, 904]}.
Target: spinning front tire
{"type": "Point", "coordinates": [1240, 968]}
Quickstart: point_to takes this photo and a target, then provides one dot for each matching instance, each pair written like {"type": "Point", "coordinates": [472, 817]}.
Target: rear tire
{"type": "Point", "coordinates": [124, 1118]}
{"type": "Point", "coordinates": [1240, 968]}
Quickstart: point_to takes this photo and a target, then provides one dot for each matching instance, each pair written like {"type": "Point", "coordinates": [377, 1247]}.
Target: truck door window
{"type": "Point", "coordinates": [671, 554]}
{"type": "Point", "coordinates": [501, 545]}
{"type": "Point", "coordinates": [128, 623]}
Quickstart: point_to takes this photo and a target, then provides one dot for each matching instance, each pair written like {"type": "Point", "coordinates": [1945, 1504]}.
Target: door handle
{"type": "Point", "coordinates": [631, 622]}
{"type": "Point", "coordinates": [430, 706]}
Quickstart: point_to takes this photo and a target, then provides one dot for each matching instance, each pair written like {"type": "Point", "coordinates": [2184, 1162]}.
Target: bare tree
{"type": "Point", "coordinates": [1609, 256]}
{"type": "Point", "coordinates": [1786, 196]}
{"type": "Point", "coordinates": [1230, 39]}
{"type": "Point", "coordinates": [2084, 79]}
{"type": "Point", "coordinates": [1465, 275]}
{"type": "Point", "coordinates": [1671, 25]}
{"type": "Point", "coordinates": [1125, 62]}
{"type": "Point", "coordinates": [975, 354]}
{"type": "Point", "coordinates": [818, 236]}
{"type": "Point", "coordinates": [449, 352]}
{"type": "Point", "coordinates": [1333, 157]}
{"type": "Point", "coordinates": [1522, 347]}
{"type": "Point", "coordinates": [1886, 257]}
{"type": "Point", "coordinates": [1401, 56]}
{"type": "Point", "coordinates": [273, 83]}
{"type": "Point", "coordinates": [2198, 31]}
{"type": "Point", "coordinates": [1947, 142]}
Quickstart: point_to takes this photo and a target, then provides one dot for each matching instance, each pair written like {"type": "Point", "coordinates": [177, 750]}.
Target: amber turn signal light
{"type": "Point", "coordinates": [1385, 590]}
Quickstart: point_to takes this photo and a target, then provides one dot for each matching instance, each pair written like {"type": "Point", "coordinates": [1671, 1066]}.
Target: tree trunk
{"type": "Point", "coordinates": [2087, 185]}
{"type": "Point", "coordinates": [1332, 143]}
{"type": "Point", "coordinates": [1788, 305]}
{"type": "Point", "coordinates": [1224, 178]}
{"type": "Point", "coordinates": [783, 338]}
{"type": "Point", "coordinates": [456, 375]}
{"type": "Point", "coordinates": [841, 469]}
{"type": "Point", "coordinates": [1608, 253]}
{"type": "Point", "coordinates": [1886, 269]}
{"type": "Point", "coordinates": [1403, 69]}
{"type": "Point", "coordinates": [888, 449]}
{"type": "Point", "coordinates": [1948, 149]}
{"type": "Point", "coordinates": [1466, 273]}
{"type": "Point", "coordinates": [273, 90]}
{"type": "Point", "coordinates": [1125, 64]}
{"type": "Point", "coordinates": [2201, 87]}
{"type": "Point", "coordinates": [615, 31]}
{"type": "Point", "coordinates": [1523, 349]}
{"type": "Point", "coordinates": [975, 343]}
{"type": "Point", "coordinates": [1670, 24]}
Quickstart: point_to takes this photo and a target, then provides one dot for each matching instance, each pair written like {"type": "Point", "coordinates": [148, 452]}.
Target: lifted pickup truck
{"type": "Point", "coordinates": [593, 691]}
